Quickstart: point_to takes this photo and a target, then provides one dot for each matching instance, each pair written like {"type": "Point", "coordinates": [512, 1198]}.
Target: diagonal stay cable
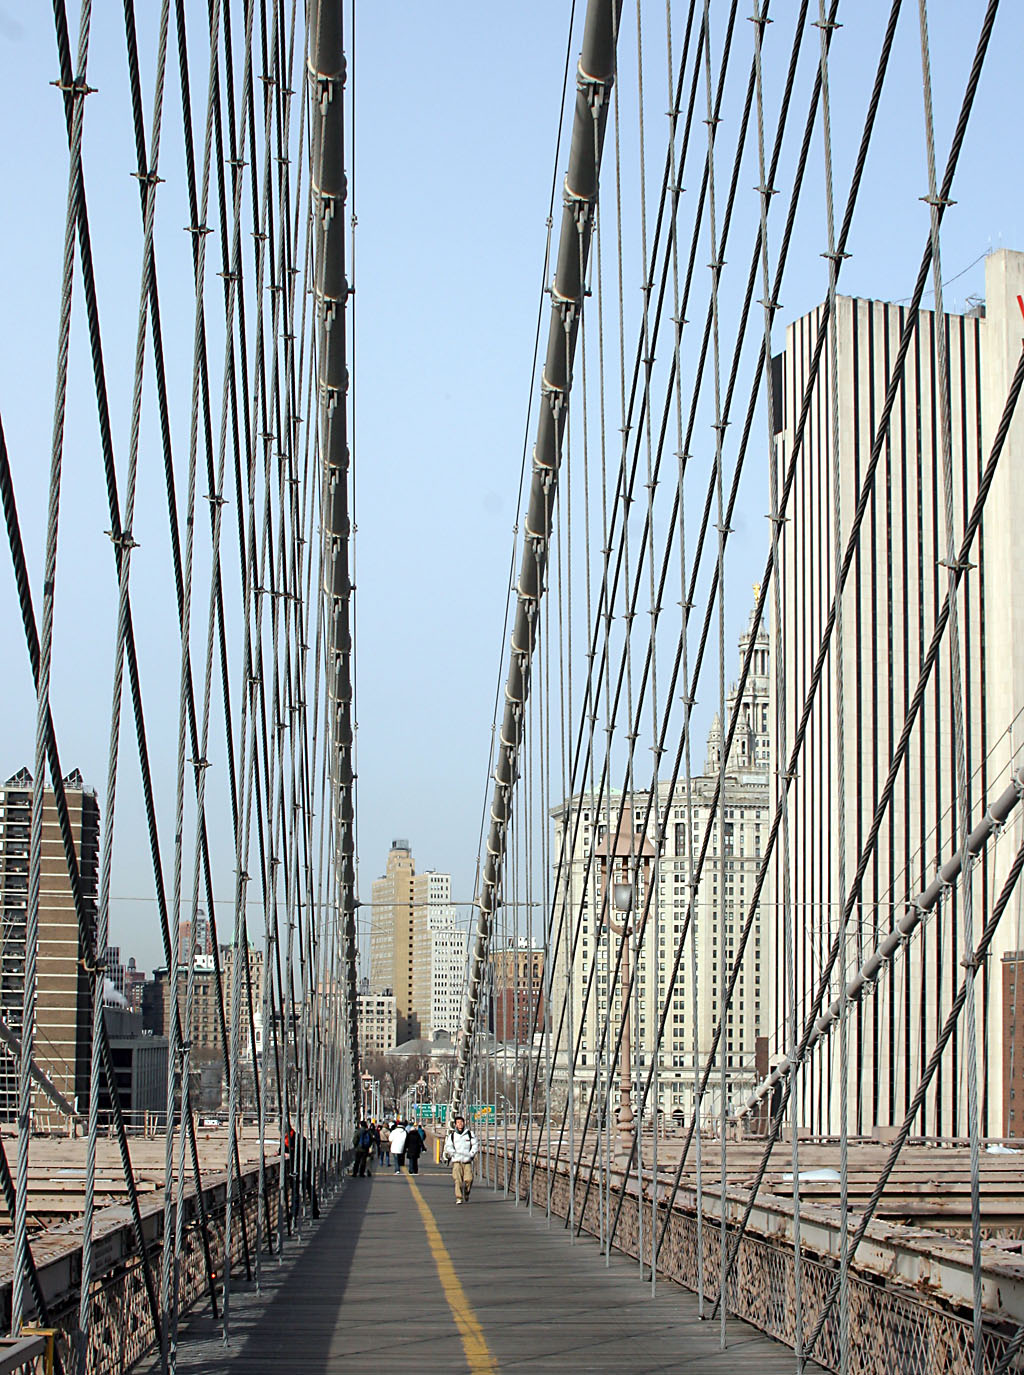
{"type": "Point", "coordinates": [878, 443]}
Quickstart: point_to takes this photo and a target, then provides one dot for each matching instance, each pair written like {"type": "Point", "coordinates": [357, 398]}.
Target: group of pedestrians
{"type": "Point", "coordinates": [403, 1143]}
{"type": "Point", "coordinates": [398, 1141]}
{"type": "Point", "coordinates": [406, 1141]}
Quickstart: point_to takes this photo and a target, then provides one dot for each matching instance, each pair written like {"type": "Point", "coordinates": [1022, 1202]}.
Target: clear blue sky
{"type": "Point", "coordinates": [457, 110]}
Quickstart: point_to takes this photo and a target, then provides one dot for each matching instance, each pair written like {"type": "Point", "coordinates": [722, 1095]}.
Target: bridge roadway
{"type": "Point", "coordinates": [395, 1277]}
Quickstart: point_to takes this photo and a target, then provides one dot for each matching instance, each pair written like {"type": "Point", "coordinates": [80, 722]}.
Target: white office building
{"type": "Point", "coordinates": [439, 956]}
{"type": "Point", "coordinates": [603, 843]}
{"type": "Point", "coordinates": [893, 597]}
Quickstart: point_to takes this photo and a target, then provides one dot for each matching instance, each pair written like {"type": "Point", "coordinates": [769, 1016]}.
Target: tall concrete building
{"type": "Point", "coordinates": [375, 1021]}
{"type": "Point", "coordinates": [63, 995]}
{"type": "Point", "coordinates": [893, 597]}
{"type": "Point", "coordinates": [431, 915]}
{"type": "Point", "coordinates": [516, 979]}
{"type": "Point", "coordinates": [205, 1031]}
{"type": "Point", "coordinates": [439, 956]}
{"type": "Point", "coordinates": [391, 937]}
{"type": "Point", "coordinates": [204, 941]}
{"type": "Point", "coordinates": [605, 849]}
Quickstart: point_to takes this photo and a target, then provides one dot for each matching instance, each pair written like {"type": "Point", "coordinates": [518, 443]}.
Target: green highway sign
{"type": "Point", "coordinates": [431, 1112]}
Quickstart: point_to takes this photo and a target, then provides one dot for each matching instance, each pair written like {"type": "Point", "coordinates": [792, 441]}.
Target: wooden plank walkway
{"type": "Point", "coordinates": [361, 1291]}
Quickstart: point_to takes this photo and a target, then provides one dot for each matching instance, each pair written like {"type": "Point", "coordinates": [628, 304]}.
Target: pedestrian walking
{"type": "Point", "coordinates": [362, 1143]}
{"type": "Point", "coordinates": [413, 1146]}
{"type": "Point", "coordinates": [384, 1146]}
{"type": "Point", "coordinates": [398, 1135]}
{"type": "Point", "coordinates": [460, 1148]}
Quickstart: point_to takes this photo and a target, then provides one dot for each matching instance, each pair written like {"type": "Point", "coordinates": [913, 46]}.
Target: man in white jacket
{"type": "Point", "coordinates": [460, 1149]}
{"type": "Point", "coordinates": [398, 1135]}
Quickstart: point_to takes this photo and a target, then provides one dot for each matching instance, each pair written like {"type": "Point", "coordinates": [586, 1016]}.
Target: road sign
{"type": "Point", "coordinates": [431, 1112]}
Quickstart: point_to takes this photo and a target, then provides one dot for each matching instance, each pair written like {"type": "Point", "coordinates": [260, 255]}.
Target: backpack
{"type": "Point", "coordinates": [365, 1139]}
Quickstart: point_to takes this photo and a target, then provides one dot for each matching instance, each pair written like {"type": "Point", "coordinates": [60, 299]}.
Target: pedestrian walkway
{"type": "Point", "coordinates": [396, 1277]}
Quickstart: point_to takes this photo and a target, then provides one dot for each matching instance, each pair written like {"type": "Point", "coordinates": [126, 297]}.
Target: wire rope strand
{"type": "Point", "coordinates": [77, 95]}
{"type": "Point", "coordinates": [881, 429]}
{"type": "Point", "coordinates": [957, 688]}
{"type": "Point", "coordinates": [838, 840]}
{"type": "Point", "coordinates": [125, 541]}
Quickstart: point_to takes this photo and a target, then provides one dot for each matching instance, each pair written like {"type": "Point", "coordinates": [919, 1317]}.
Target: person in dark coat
{"type": "Point", "coordinates": [413, 1148]}
{"type": "Point", "coordinates": [362, 1144]}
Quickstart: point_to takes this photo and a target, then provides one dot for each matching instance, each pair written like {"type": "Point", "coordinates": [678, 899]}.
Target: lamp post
{"type": "Point", "coordinates": [433, 1074]}
{"type": "Point", "coordinates": [366, 1079]}
{"type": "Point", "coordinates": [625, 863]}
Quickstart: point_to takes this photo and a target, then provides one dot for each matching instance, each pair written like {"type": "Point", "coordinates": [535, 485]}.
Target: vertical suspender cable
{"type": "Point", "coordinates": [957, 689]}
{"type": "Point", "coordinates": [839, 838]}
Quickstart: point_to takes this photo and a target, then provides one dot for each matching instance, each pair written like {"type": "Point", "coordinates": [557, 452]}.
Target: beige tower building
{"type": "Point", "coordinates": [893, 598]}
{"type": "Point", "coordinates": [391, 937]}
{"type": "Point", "coordinates": [607, 849]}
{"type": "Point", "coordinates": [64, 1002]}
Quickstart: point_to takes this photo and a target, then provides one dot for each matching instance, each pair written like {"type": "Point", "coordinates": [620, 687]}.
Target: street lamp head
{"type": "Point", "coordinates": [622, 897]}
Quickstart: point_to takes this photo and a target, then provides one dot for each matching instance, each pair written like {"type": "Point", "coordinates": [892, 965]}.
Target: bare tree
{"type": "Point", "coordinates": [397, 1074]}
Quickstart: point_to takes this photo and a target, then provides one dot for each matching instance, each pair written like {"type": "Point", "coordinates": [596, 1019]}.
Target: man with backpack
{"type": "Point", "coordinates": [460, 1149]}
{"type": "Point", "coordinates": [363, 1144]}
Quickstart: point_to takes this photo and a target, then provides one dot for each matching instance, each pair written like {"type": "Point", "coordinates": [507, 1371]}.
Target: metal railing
{"type": "Point", "coordinates": [892, 1327]}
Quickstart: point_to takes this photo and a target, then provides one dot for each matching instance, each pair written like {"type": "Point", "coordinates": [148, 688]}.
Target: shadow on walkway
{"type": "Point", "coordinates": [360, 1292]}
{"type": "Point", "coordinates": [300, 1299]}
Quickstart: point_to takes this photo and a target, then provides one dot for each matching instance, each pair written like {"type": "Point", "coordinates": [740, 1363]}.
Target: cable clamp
{"type": "Point", "coordinates": [215, 499]}
{"type": "Point", "coordinates": [595, 88]}
{"type": "Point", "coordinates": [147, 178]}
{"type": "Point", "coordinates": [760, 19]}
{"type": "Point", "coordinates": [826, 25]}
{"type": "Point", "coordinates": [580, 204]}
{"type": "Point", "coordinates": [200, 229]}
{"type": "Point", "coordinates": [123, 541]}
{"type": "Point", "coordinates": [957, 565]}
{"type": "Point", "coordinates": [74, 87]}
{"type": "Point", "coordinates": [199, 763]}
{"type": "Point", "coordinates": [940, 202]}
{"type": "Point", "coordinates": [973, 961]}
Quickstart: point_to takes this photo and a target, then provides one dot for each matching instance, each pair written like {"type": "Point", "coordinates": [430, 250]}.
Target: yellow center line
{"type": "Point", "coordinates": [478, 1353]}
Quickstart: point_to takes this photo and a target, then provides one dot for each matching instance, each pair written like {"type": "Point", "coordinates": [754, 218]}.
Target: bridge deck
{"type": "Point", "coordinates": [492, 1289]}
